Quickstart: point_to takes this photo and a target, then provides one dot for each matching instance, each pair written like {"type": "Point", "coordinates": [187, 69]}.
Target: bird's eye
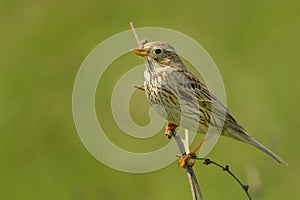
{"type": "Point", "coordinates": [157, 51]}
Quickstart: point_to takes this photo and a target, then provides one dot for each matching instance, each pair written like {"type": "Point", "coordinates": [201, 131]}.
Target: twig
{"type": "Point", "coordinates": [189, 170]}
{"type": "Point", "coordinates": [135, 35]}
{"type": "Point", "coordinates": [208, 161]}
{"type": "Point", "coordinates": [140, 87]}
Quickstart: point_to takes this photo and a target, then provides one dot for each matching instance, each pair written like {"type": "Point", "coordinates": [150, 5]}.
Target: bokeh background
{"type": "Point", "coordinates": [254, 43]}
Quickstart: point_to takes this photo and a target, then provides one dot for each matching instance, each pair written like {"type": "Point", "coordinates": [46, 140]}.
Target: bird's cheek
{"type": "Point", "coordinates": [167, 61]}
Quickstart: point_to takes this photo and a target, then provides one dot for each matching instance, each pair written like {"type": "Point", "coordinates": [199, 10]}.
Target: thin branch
{"type": "Point", "coordinates": [140, 88]}
{"type": "Point", "coordinates": [136, 35]}
{"type": "Point", "coordinates": [208, 161]}
{"type": "Point", "coordinates": [189, 170]}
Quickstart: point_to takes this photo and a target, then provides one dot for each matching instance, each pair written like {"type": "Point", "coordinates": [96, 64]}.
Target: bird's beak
{"type": "Point", "coordinates": [140, 52]}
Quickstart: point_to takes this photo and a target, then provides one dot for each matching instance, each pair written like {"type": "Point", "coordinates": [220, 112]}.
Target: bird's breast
{"type": "Point", "coordinates": [164, 100]}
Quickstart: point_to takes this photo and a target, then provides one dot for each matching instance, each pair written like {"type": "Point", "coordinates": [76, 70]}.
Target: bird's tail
{"type": "Point", "coordinates": [244, 137]}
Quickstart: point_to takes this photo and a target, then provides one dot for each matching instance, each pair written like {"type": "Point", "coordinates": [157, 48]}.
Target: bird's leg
{"type": "Point", "coordinates": [170, 130]}
{"type": "Point", "coordinates": [198, 146]}
{"type": "Point", "coordinates": [186, 159]}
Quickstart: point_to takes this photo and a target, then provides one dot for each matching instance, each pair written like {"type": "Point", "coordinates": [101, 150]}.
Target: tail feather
{"type": "Point", "coordinates": [267, 151]}
{"type": "Point", "coordinates": [247, 139]}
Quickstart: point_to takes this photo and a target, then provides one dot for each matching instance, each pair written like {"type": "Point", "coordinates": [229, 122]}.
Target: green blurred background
{"type": "Point", "coordinates": [254, 43]}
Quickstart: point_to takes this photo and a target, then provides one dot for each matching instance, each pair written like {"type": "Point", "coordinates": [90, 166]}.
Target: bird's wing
{"type": "Point", "coordinates": [209, 103]}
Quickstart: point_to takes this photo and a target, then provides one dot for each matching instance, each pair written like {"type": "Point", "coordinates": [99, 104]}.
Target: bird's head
{"type": "Point", "coordinates": [159, 54]}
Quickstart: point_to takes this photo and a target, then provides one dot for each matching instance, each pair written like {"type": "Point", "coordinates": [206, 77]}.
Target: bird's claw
{"type": "Point", "coordinates": [170, 134]}
{"type": "Point", "coordinates": [186, 160]}
{"type": "Point", "coordinates": [170, 130]}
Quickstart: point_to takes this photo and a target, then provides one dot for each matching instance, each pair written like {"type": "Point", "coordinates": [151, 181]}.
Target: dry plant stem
{"type": "Point", "coordinates": [189, 170]}
{"type": "Point", "coordinates": [135, 35]}
{"type": "Point", "coordinates": [207, 161]}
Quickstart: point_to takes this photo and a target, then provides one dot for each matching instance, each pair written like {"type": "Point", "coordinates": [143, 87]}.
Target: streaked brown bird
{"type": "Point", "coordinates": [184, 101]}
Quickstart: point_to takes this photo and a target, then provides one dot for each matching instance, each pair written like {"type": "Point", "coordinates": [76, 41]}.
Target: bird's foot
{"type": "Point", "coordinates": [187, 160]}
{"type": "Point", "coordinates": [170, 130]}
{"type": "Point", "coordinates": [170, 134]}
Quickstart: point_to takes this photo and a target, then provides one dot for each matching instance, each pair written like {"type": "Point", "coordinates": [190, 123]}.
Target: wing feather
{"type": "Point", "coordinates": [210, 103]}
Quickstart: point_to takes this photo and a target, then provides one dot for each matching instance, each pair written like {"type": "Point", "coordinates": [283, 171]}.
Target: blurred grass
{"type": "Point", "coordinates": [255, 45]}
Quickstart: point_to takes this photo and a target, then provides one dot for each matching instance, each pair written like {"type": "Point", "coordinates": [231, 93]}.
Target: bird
{"type": "Point", "coordinates": [177, 94]}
